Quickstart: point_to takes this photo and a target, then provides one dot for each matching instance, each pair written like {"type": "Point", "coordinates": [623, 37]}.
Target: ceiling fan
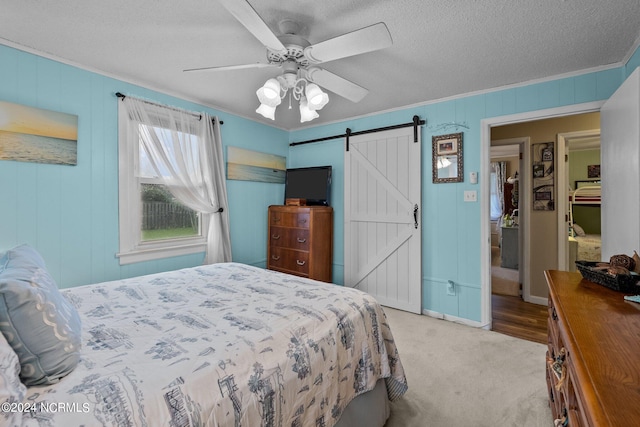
{"type": "Point", "coordinates": [297, 58]}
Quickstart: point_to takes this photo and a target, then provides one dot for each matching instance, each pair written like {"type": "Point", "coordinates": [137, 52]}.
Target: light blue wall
{"type": "Point", "coordinates": [632, 63]}
{"type": "Point", "coordinates": [70, 213]}
{"type": "Point", "coordinates": [451, 228]}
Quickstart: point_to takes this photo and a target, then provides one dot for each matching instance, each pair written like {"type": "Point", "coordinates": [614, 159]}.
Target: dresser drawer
{"type": "Point", "coordinates": [289, 219]}
{"type": "Point", "coordinates": [574, 404]}
{"type": "Point", "coordinates": [294, 238]}
{"type": "Point", "coordinates": [289, 260]}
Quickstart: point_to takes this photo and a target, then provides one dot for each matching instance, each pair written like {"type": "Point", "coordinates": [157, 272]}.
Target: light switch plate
{"type": "Point", "coordinates": [471, 196]}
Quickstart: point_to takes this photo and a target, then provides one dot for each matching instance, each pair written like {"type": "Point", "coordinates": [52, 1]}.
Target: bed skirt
{"type": "Point", "coordinates": [370, 409]}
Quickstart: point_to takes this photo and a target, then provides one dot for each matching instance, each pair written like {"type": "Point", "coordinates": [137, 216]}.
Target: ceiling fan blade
{"type": "Point", "coordinates": [232, 67]}
{"type": "Point", "coordinates": [248, 17]}
{"type": "Point", "coordinates": [364, 40]}
{"type": "Point", "coordinates": [336, 84]}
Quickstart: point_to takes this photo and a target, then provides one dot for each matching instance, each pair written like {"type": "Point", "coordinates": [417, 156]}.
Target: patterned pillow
{"type": "Point", "coordinates": [12, 391]}
{"type": "Point", "coordinates": [579, 230]}
{"type": "Point", "coordinates": [38, 322]}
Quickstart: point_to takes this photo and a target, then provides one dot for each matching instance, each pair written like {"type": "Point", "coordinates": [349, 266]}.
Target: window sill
{"type": "Point", "coordinates": [151, 253]}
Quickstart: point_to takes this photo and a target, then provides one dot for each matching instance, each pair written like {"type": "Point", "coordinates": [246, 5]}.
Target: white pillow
{"type": "Point", "coordinates": [578, 230]}
{"type": "Point", "coordinates": [12, 391]}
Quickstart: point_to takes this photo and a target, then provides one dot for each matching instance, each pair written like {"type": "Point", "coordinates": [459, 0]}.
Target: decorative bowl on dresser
{"type": "Point", "coordinates": [301, 241]}
{"type": "Point", "coordinates": [593, 360]}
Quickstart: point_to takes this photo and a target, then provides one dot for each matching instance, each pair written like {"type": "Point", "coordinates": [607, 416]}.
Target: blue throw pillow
{"type": "Point", "coordinates": [41, 326]}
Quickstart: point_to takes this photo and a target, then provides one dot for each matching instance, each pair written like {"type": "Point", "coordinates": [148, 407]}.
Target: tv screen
{"type": "Point", "coordinates": [312, 184]}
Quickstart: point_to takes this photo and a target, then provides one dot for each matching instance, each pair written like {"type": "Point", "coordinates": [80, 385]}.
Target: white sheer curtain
{"type": "Point", "coordinates": [498, 175]}
{"type": "Point", "coordinates": [186, 154]}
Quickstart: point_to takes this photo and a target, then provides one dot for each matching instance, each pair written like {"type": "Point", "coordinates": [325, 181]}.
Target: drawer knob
{"type": "Point", "coordinates": [302, 221]}
{"type": "Point", "coordinates": [275, 236]}
{"type": "Point", "coordinates": [300, 262]}
{"type": "Point", "coordinates": [564, 421]}
{"type": "Point", "coordinates": [275, 258]}
{"type": "Point", "coordinates": [558, 367]}
{"type": "Point", "coordinates": [301, 240]}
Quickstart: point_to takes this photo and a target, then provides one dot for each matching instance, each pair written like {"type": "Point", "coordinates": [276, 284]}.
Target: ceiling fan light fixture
{"type": "Point", "coordinates": [269, 93]}
{"type": "Point", "coordinates": [316, 97]}
{"type": "Point", "coordinates": [267, 111]}
{"type": "Point", "coordinates": [291, 52]}
{"type": "Point", "coordinates": [306, 114]}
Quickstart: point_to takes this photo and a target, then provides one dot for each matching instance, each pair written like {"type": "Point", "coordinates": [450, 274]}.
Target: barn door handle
{"type": "Point", "coordinates": [415, 216]}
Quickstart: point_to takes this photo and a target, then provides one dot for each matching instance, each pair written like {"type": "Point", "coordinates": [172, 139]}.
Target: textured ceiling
{"type": "Point", "coordinates": [440, 48]}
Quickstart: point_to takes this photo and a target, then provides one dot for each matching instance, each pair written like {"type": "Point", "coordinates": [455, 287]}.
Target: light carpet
{"type": "Point", "coordinates": [463, 376]}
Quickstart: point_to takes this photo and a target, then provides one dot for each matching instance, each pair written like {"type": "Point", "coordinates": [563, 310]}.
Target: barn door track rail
{"type": "Point", "coordinates": [348, 133]}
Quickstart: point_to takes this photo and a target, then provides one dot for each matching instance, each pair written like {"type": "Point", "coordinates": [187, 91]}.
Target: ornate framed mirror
{"type": "Point", "coordinates": [447, 158]}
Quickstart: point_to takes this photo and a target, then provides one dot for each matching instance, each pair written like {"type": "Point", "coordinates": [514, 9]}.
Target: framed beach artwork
{"type": "Point", "coordinates": [29, 134]}
{"type": "Point", "coordinates": [248, 165]}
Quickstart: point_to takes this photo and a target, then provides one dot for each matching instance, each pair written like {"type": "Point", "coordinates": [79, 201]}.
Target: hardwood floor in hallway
{"type": "Point", "coordinates": [515, 317]}
{"type": "Point", "coordinates": [511, 315]}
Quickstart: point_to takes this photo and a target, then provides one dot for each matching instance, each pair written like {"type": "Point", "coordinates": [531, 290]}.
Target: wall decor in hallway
{"type": "Point", "coordinates": [543, 177]}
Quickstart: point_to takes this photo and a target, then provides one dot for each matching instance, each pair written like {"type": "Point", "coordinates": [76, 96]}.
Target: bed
{"type": "Point", "coordinates": [586, 193]}
{"type": "Point", "coordinates": [584, 245]}
{"type": "Point", "coordinates": [584, 248]}
{"type": "Point", "coordinates": [218, 345]}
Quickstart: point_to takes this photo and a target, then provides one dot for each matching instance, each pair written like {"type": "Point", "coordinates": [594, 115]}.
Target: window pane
{"type": "Point", "coordinates": [187, 157]}
{"type": "Point", "coordinates": [496, 208]}
{"type": "Point", "coordinates": [163, 217]}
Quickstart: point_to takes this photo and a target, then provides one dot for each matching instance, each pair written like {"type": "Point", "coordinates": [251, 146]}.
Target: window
{"type": "Point", "coordinates": [496, 205]}
{"type": "Point", "coordinates": [164, 217]}
{"type": "Point", "coordinates": [498, 172]}
{"type": "Point", "coordinates": [153, 222]}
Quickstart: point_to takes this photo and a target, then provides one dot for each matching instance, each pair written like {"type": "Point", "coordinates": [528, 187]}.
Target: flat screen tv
{"type": "Point", "coordinates": [312, 184]}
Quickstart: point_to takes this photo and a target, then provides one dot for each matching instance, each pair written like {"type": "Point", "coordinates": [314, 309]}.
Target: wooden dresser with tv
{"type": "Point", "coordinates": [593, 360]}
{"type": "Point", "coordinates": [301, 241]}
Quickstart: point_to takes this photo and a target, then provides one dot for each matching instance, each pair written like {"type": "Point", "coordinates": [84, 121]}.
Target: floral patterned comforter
{"type": "Point", "coordinates": [220, 345]}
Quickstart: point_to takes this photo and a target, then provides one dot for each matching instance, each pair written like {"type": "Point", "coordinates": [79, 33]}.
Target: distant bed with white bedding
{"type": "Point", "coordinates": [589, 247]}
{"type": "Point", "coordinates": [584, 248]}
{"type": "Point", "coordinates": [218, 345]}
{"type": "Point", "coordinates": [584, 245]}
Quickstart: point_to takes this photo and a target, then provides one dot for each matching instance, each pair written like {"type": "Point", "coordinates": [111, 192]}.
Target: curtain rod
{"type": "Point", "coordinates": [199, 115]}
{"type": "Point", "coordinates": [415, 123]}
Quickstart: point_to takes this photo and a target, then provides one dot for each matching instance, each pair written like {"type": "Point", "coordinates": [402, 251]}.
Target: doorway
{"type": "Point", "coordinates": [533, 284]}
{"type": "Point", "coordinates": [582, 215]}
{"type": "Point", "coordinates": [506, 242]}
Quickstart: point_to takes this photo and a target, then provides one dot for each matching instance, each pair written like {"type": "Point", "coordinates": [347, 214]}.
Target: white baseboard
{"type": "Point", "coordinates": [456, 319]}
{"type": "Point", "coordinates": [537, 300]}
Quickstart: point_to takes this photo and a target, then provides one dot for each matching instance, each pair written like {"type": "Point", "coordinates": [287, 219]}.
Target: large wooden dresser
{"type": "Point", "coordinates": [301, 241]}
{"type": "Point", "coordinates": [593, 361]}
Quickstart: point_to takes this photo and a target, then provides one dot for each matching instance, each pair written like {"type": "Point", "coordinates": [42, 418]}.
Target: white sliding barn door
{"type": "Point", "coordinates": [383, 218]}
